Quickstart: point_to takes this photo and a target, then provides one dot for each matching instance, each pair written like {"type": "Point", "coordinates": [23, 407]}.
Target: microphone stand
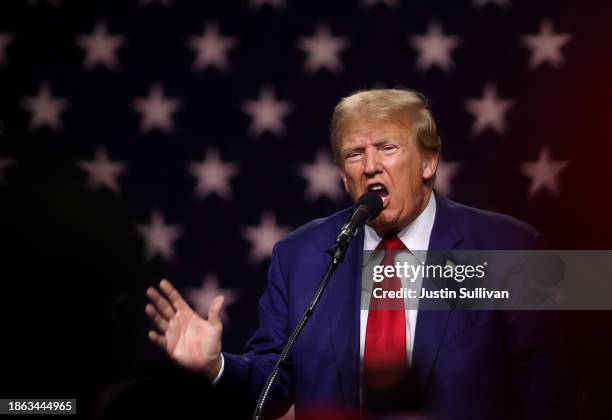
{"type": "Point", "coordinates": [337, 253]}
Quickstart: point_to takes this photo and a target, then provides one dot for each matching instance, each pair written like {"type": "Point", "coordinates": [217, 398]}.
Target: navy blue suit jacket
{"type": "Point", "coordinates": [468, 364]}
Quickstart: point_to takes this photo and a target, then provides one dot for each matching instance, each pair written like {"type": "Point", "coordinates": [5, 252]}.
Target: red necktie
{"type": "Point", "coordinates": [385, 342]}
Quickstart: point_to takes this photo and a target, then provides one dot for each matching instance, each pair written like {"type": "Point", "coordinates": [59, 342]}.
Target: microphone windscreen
{"type": "Point", "coordinates": [372, 203]}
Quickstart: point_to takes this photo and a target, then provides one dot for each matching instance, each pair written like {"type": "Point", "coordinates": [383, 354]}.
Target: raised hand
{"type": "Point", "coordinates": [190, 340]}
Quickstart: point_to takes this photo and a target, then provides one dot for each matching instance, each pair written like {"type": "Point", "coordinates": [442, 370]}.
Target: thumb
{"type": "Point", "coordinates": [214, 310]}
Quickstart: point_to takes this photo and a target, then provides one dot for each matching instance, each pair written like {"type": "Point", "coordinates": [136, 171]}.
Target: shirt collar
{"type": "Point", "coordinates": [415, 236]}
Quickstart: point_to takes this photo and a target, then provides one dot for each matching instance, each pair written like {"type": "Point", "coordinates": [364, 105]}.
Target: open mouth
{"type": "Point", "coordinates": [382, 191]}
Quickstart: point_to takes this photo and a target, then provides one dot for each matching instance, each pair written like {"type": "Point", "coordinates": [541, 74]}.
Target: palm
{"type": "Point", "coordinates": [189, 339]}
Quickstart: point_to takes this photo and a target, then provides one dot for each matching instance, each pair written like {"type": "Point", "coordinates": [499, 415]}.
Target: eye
{"type": "Point", "coordinates": [389, 148]}
{"type": "Point", "coordinates": [354, 155]}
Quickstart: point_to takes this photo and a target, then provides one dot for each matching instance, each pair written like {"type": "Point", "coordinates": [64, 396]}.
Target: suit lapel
{"type": "Point", "coordinates": [342, 302]}
{"type": "Point", "coordinates": [431, 324]}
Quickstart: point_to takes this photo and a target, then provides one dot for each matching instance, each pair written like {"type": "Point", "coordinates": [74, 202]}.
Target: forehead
{"type": "Point", "coordinates": [363, 132]}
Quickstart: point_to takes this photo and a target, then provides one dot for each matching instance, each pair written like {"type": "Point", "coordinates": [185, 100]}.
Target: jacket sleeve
{"type": "Point", "coordinates": [543, 377]}
{"type": "Point", "coordinates": [248, 372]}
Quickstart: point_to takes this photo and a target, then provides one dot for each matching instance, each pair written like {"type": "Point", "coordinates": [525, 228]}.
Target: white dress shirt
{"type": "Point", "coordinates": [415, 237]}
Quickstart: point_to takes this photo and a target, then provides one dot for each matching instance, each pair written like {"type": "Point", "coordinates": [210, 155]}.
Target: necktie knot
{"type": "Point", "coordinates": [392, 244]}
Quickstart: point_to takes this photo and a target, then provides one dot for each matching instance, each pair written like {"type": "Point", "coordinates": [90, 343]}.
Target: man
{"type": "Point", "coordinates": [472, 365]}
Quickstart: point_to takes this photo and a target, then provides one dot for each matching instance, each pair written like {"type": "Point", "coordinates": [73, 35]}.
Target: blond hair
{"type": "Point", "coordinates": [401, 106]}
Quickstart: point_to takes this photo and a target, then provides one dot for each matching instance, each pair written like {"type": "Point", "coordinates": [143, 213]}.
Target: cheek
{"type": "Point", "coordinates": [407, 183]}
{"type": "Point", "coordinates": [405, 176]}
{"type": "Point", "coordinates": [350, 179]}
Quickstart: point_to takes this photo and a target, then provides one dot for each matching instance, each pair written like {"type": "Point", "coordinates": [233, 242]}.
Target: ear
{"type": "Point", "coordinates": [430, 165]}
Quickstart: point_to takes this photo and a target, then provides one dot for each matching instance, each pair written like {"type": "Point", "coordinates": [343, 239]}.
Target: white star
{"type": "Point", "coordinates": [211, 48]}
{"type": "Point", "coordinates": [159, 237]}
{"type": "Point", "coordinates": [5, 163]}
{"type": "Point", "coordinates": [276, 4]}
{"type": "Point", "coordinates": [546, 46]}
{"type": "Point", "coordinates": [267, 113]}
{"type": "Point", "coordinates": [6, 39]}
{"type": "Point", "coordinates": [201, 297]}
{"type": "Point", "coordinates": [482, 3]}
{"type": "Point", "coordinates": [156, 111]}
{"type": "Point", "coordinates": [323, 178]}
{"type": "Point", "coordinates": [45, 110]}
{"type": "Point", "coordinates": [544, 173]}
{"type": "Point", "coordinates": [263, 237]}
{"type": "Point", "coordinates": [371, 3]}
{"type": "Point", "coordinates": [102, 171]}
{"type": "Point", "coordinates": [165, 3]}
{"type": "Point", "coordinates": [213, 175]}
{"type": "Point", "coordinates": [323, 50]}
{"type": "Point", "coordinates": [100, 47]}
{"type": "Point", "coordinates": [434, 48]}
{"type": "Point", "coordinates": [444, 174]}
{"type": "Point", "coordinates": [489, 111]}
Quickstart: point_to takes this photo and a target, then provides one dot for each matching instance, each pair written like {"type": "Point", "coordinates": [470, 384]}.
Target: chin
{"type": "Point", "coordinates": [384, 221]}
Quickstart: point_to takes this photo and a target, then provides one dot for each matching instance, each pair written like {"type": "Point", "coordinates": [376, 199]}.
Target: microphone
{"type": "Point", "coordinates": [368, 207]}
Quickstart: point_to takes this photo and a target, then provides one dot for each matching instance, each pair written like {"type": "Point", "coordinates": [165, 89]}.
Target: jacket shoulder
{"type": "Point", "coordinates": [484, 229]}
{"type": "Point", "coordinates": [322, 231]}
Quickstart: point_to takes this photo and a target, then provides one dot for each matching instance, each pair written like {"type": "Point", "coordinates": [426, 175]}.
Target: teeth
{"type": "Point", "coordinates": [376, 187]}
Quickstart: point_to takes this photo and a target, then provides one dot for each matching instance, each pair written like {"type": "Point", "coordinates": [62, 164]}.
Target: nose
{"type": "Point", "coordinates": [372, 164]}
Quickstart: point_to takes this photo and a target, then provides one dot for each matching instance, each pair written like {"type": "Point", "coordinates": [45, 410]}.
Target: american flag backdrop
{"type": "Point", "coordinates": [143, 139]}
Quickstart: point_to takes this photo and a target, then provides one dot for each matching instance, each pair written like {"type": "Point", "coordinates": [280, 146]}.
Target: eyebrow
{"type": "Point", "coordinates": [375, 143]}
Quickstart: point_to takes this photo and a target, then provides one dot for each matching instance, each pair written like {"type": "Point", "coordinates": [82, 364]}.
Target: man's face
{"type": "Point", "coordinates": [384, 157]}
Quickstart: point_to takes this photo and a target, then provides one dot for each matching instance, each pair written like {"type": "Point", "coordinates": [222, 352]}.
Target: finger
{"type": "Point", "coordinates": [157, 339]}
{"type": "Point", "coordinates": [214, 310]}
{"type": "Point", "coordinates": [158, 320]}
{"type": "Point", "coordinates": [161, 303]}
{"type": "Point", "coordinates": [173, 295]}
